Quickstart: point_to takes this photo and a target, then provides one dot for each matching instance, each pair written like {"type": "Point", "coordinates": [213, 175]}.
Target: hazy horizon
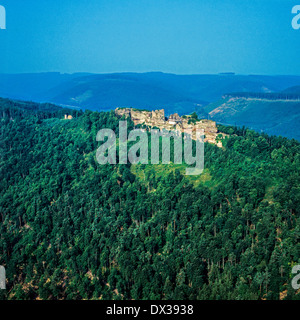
{"type": "Point", "coordinates": [145, 72]}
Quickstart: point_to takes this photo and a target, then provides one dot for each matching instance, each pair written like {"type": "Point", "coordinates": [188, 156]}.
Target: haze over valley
{"type": "Point", "coordinates": [182, 94]}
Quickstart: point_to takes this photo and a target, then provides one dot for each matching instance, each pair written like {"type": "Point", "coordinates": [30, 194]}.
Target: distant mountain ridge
{"type": "Point", "coordinates": [285, 95]}
{"type": "Point", "coordinates": [251, 100]}
{"type": "Point", "coordinates": [175, 93]}
{"type": "Point", "coordinates": [275, 117]}
{"type": "Point", "coordinates": [293, 90]}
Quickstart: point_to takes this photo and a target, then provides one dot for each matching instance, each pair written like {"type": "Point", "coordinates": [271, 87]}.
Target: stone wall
{"type": "Point", "coordinates": [174, 122]}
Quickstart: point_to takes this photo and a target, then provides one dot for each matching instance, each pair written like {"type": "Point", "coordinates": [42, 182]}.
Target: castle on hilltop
{"type": "Point", "coordinates": [158, 119]}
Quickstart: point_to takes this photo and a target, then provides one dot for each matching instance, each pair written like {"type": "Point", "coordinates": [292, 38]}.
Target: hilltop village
{"type": "Point", "coordinates": [158, 119]}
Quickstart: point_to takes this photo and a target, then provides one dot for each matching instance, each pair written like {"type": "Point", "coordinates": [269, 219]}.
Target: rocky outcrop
{"type": "Point", "coordinates": [174, 122]}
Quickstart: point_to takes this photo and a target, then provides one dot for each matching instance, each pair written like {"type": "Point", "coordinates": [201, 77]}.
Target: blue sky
{"type": "Point", "coordinates": [176, 36]}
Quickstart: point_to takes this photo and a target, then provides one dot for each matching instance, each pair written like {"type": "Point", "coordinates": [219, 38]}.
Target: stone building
{"type": "Point", "coordinates": [174, 122]}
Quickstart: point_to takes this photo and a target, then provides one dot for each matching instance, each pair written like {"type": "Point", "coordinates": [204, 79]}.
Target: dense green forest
{"type": "Point", "coordinates": [72, 229]}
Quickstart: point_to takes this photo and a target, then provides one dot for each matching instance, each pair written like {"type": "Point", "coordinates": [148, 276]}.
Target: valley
{"type": "Point", "coordinates": [259, 104]}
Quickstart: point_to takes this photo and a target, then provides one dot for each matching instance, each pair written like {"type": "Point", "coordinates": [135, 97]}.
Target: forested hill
{"type": "Point", "coordinates": [267, 96]}
{"type": "Point", "coordinates": [277, 114]}
{"type": "Point", "coordinates": [72, 229]}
